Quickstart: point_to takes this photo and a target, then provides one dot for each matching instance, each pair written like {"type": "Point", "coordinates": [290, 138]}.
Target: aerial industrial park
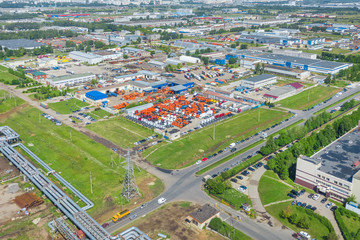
{"type": "Point", "coordinates": [180, 120]}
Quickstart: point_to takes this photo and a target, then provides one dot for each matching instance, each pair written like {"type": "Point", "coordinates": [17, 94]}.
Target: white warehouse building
{"type": "Point", "coordinates": [70, 80]}
{"type": "Point", "coordinates": [259, 81]}
{"type": "Point", "coordinates": [85, 57]}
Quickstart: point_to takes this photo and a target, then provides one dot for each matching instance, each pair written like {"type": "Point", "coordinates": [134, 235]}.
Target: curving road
{"type": "Point", "coordinates": [185, 185]}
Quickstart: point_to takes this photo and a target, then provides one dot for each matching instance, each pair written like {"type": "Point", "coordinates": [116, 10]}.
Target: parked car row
{"type": "Point", "coordinates": [303, 205]}
{"type": "Point", "coordinates": [146, 139]}
{"type": "Point", "coordinates": [294, 194]}
{"type": "Point", "coordinates": [51, 118]}
{"type": "Point", "coordinates": [84, 115]}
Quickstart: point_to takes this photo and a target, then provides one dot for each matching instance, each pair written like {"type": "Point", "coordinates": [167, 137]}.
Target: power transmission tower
{"type": "Point", "coordinates": [130, 189]}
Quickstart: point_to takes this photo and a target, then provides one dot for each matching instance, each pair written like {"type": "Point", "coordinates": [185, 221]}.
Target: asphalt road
{"type": "Point", "coordinates": [184, 185]}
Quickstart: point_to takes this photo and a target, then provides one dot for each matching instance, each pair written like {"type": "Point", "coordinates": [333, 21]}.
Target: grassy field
{"type": "Point", "coordinates": [8, 102]}
{"type": "Point", "coordinates": [271, 190]}
{"type": "Point", "coordinates": [66, 107]}
{"type": "Point", "coordinates": [188, 149]}
{"type": "Point", "coordinates": [234, 197]}
{"type": "Point", "coordinates": [308, 98]}
{"type": "Point", "coordinates": [317, 229]}
{"type": "Point", "coordinates": [121, 131]}
{"type": "Point", "coordinates": [75, 159]}
{"type": "Point", "coordinates": [99, 114]}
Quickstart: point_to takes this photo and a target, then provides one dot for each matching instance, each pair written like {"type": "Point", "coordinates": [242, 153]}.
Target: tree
{"type": "Point", "coordinates": [352, 198]}
{"type": "Point", "coordinates": [187, 53]}
{"type": "Point", "coordinates": [125, 56]}
{"type": "Point", "coordinates": [243, 46]}
{"type": "Point", "coordinates": [88, 49]}
{"type": "Point", "coordinates": [94, 81]}
{"type": "Point", "coordinates": [232, 60]}
{"type": "Point", "coordinates": [138, 40]}
{"type": "Point", "coordinates": [205, 60]}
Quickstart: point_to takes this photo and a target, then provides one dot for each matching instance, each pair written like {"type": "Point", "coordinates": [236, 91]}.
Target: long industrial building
{"type": "Point", "coordinates": [70, 80]}
{"type": "Point", "coordinates": [259, 81]}
{"type": "Point", "coordinates": [312, 65]}
{"type": "Point", "coordinates": [333, 171]}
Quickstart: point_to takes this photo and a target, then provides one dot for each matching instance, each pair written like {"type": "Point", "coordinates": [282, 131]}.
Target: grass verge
{"type": "Point", "coordinates": [309, 98]}
{"type": "Point", "coordinates": [271, 189]}
{"type": "Point", "coordinates": [197, 145]}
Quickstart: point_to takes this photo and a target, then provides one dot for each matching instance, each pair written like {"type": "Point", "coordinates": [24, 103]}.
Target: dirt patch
{"type": "Point", "coordinates": [170, 220]}
{"type": "Point", "coordinates": [7, 170]}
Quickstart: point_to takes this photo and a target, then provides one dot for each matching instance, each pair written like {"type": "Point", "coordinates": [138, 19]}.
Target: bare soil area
{"type": "Point", "coordinates": [170, 220]}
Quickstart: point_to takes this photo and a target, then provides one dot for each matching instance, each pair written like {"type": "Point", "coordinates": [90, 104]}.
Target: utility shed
{"type": "Point", "coordinates": [203, 215]}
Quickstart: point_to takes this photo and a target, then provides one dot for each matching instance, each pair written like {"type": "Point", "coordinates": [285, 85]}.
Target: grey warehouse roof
{"type": "Point", "coordinates": [259, 78]}
{"type": "Point", "coordinates": [18, 43]}
{"type": "Point", "coordinates": [204, 213]}
{"type": "Point", "coordinates": [338, 158]}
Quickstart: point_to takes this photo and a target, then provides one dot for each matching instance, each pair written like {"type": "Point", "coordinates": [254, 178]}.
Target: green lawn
{"type": "Point", "coordinates": [317, 229]}
{"type": "Point", "coordinates": [234, 198]}
{"type": "Point", "coordinates": [8, 102]}
{"type": "Point", "coordinates": [200, 143]}
{"type": "Point", "coordinates": [99, 114]}
{"type": "Point", "coordinates": [271, 190]}
{"type": "Point", "coordinates": [309, 98]}
{"type": "Point", "coordinates": [349, 223]}
{"type": "Point", "coordinates": [121, 131]}
{"type": "Point", "coordinates": [75, 159]}
{"type": "Point", "coordinates": [66, 107]}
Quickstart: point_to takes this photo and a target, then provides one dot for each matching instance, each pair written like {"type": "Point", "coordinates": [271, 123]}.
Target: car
{"type": "Point", "coordinates": [291, 195]}
{"type": "Point", "coordinates": [308, 206]}
{"type": "Point", "coordinates": [233, 150]}
{"type": "Point", "coordinates": [303, 205]}
{"type": "Point", "coordinates": [296, 193]}
{"type": "Point", "coordinates": [323, 200]}
{"type": "Point", "coordinates": [214, 175]}
{"type": "Point", "coordinates": [328, 205]}
{"type": "Point", "coordinates": [313, 208]}
{"type": "Point", "coordinates": [198, 162]}
{"type": "Point", "coordinates": [161, 200]}
{"type": "Point", "coordinates": [316, 197]}
{"type": "Point", "coordinates": [333, 208]}
{"type": "Point", "coordinates": [251, 169]}
{"type": "Point", "coordinates": [114, 149]}
{"type": "Point", "coordinates": [143, 205]}
{"type": "Point", "coordinates": [220, 151]}
{"type": "Point", "coordinates": [132, 217]}
{"type": "Point", "coordinates": [243, 187]}
{"type": "Point", "coordinates": [299, 204]}
{"type": "Point", "coordinates": [294, 202]}
{"type": "Point", "coordinates": [239, 177]}
{"type": "Point", "coordinates": [225, 149]}
{"type": "Point", "coordinates": [226, 169]}
{"type": "Point", "coordinates": [105, 225]}
{"type": "Point", "coordinates": [310, 195]}
{"type": "Point", "coordinates": [302, 192]}
{"type": "Point", "coordinates": [204, 159]}
{"type": "Point", "coordinates": [233, 180]}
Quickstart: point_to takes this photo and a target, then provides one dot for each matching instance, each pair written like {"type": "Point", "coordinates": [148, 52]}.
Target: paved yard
{"type": "Point", "coordinates": [322, 210]}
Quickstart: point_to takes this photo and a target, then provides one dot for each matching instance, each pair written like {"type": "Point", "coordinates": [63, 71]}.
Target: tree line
{"type": "Point", "coordinates": [284, 163]}
{"type": "Point", "coordinates": [37, 34]}
{"type": "Point", "coordinates": [340, 57]}
{"type": "Point", "coordinates": [352, 73]}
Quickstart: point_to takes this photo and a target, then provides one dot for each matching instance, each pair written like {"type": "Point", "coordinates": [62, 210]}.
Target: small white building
{"type": "Point", "coordinates": [259, 81]}
{"type": "Point", "coordinates": [69, 80]}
